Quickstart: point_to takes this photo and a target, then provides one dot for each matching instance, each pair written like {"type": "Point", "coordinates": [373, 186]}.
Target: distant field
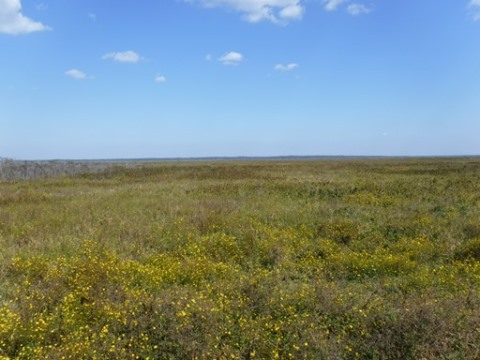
{"type": "Point", "coordinates": [317, 259]}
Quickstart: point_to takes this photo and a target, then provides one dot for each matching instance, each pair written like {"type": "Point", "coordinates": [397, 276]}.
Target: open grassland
{"type": "Point", "coordinates": [331, 259]}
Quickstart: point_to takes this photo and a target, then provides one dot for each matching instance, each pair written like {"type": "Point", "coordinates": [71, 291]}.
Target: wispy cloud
{"type": "Point", "coordinates": [283, 68]}
{"type": "Point", "coordinates": [76, 74]}
{"type": "Point", "coordinates": [13, 22]}
{"type": "Point", "coordinates": [123, 57]}
{"type": "Point", "coordinates": [358, 9]}
{"type": "Point", "coordinates": [332, 5]}
{"type": "Point", "coordinates": [92, 16]}
{"type": "Point", "coordinates": [160, 79]}
{"type": "Point", "coordinates": [475, 4]}
{"type": "Point", "coordinates": [41, 7]}
{"type": "Point", "coordinates": [231, 58]}
{"type": "Point", "coordinates": [276, 11]}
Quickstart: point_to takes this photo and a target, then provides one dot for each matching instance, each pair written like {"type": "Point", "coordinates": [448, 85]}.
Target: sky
{"type": "Point", "coordinates": [100, 79]}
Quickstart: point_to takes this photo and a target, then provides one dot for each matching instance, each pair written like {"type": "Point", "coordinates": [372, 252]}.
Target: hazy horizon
{"type": "Point", "coordinates": [240, 158]}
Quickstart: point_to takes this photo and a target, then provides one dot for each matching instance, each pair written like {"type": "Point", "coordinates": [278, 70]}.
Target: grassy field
{"type": "Point", "coordinates": [326, 259]}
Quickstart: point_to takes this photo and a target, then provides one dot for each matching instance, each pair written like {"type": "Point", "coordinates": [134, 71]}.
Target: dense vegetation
{"type": "Point", "coordinates": [344, 259]}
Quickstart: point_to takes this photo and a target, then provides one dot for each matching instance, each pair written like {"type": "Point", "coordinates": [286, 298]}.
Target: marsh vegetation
{"type": "Point", "coordinates": [331, 259]}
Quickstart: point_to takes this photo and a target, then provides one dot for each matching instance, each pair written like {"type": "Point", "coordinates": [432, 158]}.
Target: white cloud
{"type": "Point", "coordinates": [160, 79]}
{"type": "Point", "coordinates": [358, 9]}
{"type": "Point", "coordinates": [331, 5]}
{"type": "Point", "coordinates": [123, 57]}
{"type": "Point", "coordinates": [283, 68]}
{"type": "Point", "coordinates": [294, 12]}
{"type": "Point", "coordinates": [276, 11]}
{"type": "Point", "coordinates": [13, 22]}
{"type": "Point", "coordinates": [76, 74]}
{"type": "Point", "coordinates": [231, 58]}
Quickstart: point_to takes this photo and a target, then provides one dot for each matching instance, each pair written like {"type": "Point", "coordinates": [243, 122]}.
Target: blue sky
{"type": "Point", "coordinates": [192, 78]}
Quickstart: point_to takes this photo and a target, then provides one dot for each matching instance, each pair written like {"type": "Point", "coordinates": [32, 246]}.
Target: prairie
{"type": "Point", "coordinates": [317, 259]}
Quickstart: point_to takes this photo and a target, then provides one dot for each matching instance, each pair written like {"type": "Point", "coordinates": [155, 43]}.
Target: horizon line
{"type": "Point", "coordinates": [240, 157]}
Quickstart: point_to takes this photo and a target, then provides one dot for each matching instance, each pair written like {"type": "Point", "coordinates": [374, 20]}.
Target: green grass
{"type": "Point", "coordinates": [330, 259]}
